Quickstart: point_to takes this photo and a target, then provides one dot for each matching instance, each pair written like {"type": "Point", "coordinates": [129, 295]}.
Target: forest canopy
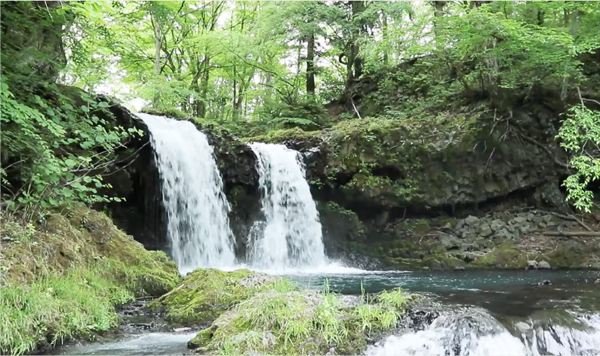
{"type": "Point", "coordinates": [257, 66]}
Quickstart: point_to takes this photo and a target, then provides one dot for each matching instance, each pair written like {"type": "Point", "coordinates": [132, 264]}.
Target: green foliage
{"type": "Point", "coordinates": [60, 149]}
{"type": "Point", "coordinates": [580, 135]}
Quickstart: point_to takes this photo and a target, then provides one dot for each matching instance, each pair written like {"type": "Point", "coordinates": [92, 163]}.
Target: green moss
{"type": "Point", "coordinates": [172, 112]}
{"type": "Point", "coordinates": [506, 255]}
{"type": "Point", "coordinates": [300, 323]}
{"type": "Point", "coordinates": [279, 136]}
{"type": "Point", "coordinates": [63, 279]}
{"type": "Point", "coordinates": [206, 293]}
{"type": "Point", "coordinates": [572, 256]}
{"type": "Point", "coordinates": [408, 253]}
{"type": "Point", "coordinates": [385, 191]}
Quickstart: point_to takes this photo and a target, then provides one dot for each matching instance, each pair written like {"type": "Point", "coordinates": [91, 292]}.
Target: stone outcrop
{"type": "Point", "coordinates": [463, 161]}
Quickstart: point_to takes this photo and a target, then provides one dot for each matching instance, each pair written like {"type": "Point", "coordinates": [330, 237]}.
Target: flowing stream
{"type": "Point", "coordinates": [290, 236]}
{"type": "Point", "coordinates": [476, 313]}
{"type": "Point", "coordinates": [192, 191]}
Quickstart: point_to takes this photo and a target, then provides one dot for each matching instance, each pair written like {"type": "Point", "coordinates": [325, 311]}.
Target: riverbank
{"type": "Point", "coordinates": [471, 310]}
{"type": "Point", "coordinates": [61, 279]}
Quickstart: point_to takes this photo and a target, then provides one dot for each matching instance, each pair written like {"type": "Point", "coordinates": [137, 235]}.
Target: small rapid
{"type": "Point", "coordinates": [473, 331]}
{"type": "Point", "coordinates": [157, 343]}
{"type": "Point", "coordinates": [192, 191]}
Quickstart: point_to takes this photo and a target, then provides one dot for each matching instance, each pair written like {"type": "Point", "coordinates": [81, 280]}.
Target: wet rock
{"type": "Point", "coordinates": [471, 220]}
{"type": "Point", "coordinates": [520, 220]}
{"type": "Point", "coordinates": [181, 330]}
{"type": "Point", "coordinates": [420, 319]}
{"type": "Point", "coordinates": [486, 230]}
{"type": "Point", "coordinates": [496, 225]}
{"type": "Point", "coordinates": [543, 265]}
{"type": "Point", "coordinates": [545, 282]}
{"type": "Point", "coordinates": [532, 264]}
{"type": "Point", "coordinates": [523, 327]}
{"type": "Point", "coordinates": [459, 268]}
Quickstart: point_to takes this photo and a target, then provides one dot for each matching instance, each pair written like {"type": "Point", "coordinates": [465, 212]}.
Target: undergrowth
{"type": "Point", "coordinates": [57, 307]}
{"type": "Point", "coordinates": [62, 280]}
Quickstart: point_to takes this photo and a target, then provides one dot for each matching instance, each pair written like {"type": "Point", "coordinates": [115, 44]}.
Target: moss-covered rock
{"type": "Point", "coordinates": [292, 322]}
{"type": "Point", "coordinates": [506, 255]}
{"type": "Point", "coordinates": [206, 293]}
{"type": "Point", "coordinates": [63, 279]}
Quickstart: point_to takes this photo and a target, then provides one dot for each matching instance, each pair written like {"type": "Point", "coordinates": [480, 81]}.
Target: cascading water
{"type": "Point", "coordinates": [192, 191]}
{"type": "Point", "coordinates": [475, 332]}
{"type": "Point", "coordinates": [290, 236]}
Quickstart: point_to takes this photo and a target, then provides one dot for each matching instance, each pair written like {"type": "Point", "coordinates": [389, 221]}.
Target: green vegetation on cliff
{"type": "Point", "coordinates": [62, 279]}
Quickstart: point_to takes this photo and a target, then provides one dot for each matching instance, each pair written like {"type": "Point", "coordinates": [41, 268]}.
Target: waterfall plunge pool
{"type": "Point", "coordinates": [482, 313]}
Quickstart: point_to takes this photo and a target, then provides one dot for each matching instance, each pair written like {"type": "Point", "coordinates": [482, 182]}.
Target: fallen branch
{"type": "Point", "coordinates": [173, 291]}
{"type": "Point", "coordinates": [567, 217]}
{"type": "Point", "coordinates": [355, 109]}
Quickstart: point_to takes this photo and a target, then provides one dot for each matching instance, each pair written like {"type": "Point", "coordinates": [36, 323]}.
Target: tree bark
{"type": "Point", "coordinates": [157, 49]}
{"type": "Point", "coordinates": [310, 64]}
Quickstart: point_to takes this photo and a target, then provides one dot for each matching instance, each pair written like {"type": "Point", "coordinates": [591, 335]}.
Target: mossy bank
{"type": "Point", "coordinates": [61, 279]}
{"type": "Point", "coordinates": [246, 312]}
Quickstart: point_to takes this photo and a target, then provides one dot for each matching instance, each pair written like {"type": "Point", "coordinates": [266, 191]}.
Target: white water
{"type": "Point", "coordinates": [479, 334]}
{"type": "Point", "coordinates": [290, 237]}
{"type": "Point", "coordinates": [192, 191]}
{"type": "Point", "coordinates": [144, 344]}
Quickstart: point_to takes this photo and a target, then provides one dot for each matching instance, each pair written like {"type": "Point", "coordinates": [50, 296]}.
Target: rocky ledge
{"type": "Point", "coordinates": [504, 239]}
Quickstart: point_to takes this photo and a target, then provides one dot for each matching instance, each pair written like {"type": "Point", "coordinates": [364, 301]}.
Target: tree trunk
{"type": "Point", "coordinates": [438, 13]}
{"type": "Point", "coordinates": [310, 64]}
{"type": "Point", "coordinates": [384, 33]}
{"type": "Point", "coordinates": [202, 89]}
{"type": "Point", "coordinates": [354, 66]}
{"type": "Point", "coordinates": [157, 48]}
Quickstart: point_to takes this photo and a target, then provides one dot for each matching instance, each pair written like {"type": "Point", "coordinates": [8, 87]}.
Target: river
{"type": "Point", "coordinates": [478, 313]}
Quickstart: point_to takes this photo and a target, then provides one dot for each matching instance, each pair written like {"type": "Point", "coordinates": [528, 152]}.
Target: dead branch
{"type": "Point", "coordinates": [546, 149]}
{"type": "Point", "coordinates": [569, 217]}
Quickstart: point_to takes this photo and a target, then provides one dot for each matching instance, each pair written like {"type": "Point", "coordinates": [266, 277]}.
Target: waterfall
{"type": "Point", "coordinates": [477, 333]}
{"type": "Point", "coordinates": [290, 236]}
{"type": "Point", "coordinates": [192, 191]}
